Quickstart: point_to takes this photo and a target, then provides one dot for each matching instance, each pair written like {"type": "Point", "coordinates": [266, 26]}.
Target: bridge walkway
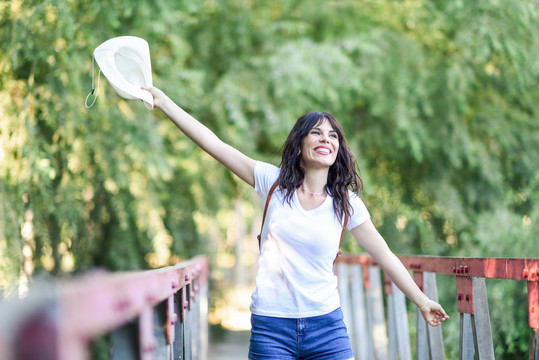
{"type": "Point", "coordinates": [231, 345]}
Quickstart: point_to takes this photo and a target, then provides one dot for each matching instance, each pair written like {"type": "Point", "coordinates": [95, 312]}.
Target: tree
{"type": "Point", "coordinates": [437, 99]}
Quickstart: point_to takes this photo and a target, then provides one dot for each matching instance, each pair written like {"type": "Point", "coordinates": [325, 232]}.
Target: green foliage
{"type": "Point", "coordinates": [438, 100]}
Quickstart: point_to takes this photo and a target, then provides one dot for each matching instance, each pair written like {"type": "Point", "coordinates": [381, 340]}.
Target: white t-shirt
{"type": "Point", "coordinates": [295, 276]}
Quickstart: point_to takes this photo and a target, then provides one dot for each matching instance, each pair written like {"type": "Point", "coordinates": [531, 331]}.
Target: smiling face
{"type": "Point", "coordinates": [320, 146]}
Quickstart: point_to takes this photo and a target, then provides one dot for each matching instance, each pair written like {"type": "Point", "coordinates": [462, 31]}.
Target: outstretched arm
{"type": "Point", "coordinates": [237, 162]}
{"type": "Point", "coordinates": [371, 240]}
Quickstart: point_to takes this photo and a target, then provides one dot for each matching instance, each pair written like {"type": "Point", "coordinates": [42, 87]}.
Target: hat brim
{"type": "Point", "coordinates": [125, 62]}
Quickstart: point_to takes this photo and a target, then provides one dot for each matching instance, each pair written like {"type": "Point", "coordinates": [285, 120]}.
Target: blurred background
{"type": "Point", "coordinates": [439, 101]}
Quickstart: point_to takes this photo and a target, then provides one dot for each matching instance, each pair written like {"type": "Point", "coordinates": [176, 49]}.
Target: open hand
{"type": "Point", "coordinates": [433, 313]}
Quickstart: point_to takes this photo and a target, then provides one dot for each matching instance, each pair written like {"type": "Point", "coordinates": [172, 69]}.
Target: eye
{"type": "Point", "coordinates": [315, 132]}
{"type": "Point", "coordinates": [334, 136]}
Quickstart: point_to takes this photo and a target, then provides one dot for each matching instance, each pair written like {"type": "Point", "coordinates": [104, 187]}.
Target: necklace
{"type": "Point", "coordinates": [312, 193]}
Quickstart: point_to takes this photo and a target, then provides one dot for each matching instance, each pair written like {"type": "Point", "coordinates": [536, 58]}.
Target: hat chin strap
{"type": "Point", "coordinates": [94, 90]}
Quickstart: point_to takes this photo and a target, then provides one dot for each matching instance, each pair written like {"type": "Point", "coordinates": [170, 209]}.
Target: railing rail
{"type": "Point", "coordinates": [360, 287]}
{"type": "Point", "coordinates": [149, 314]}
{"type": "Point", "coordinates": [162, 313]}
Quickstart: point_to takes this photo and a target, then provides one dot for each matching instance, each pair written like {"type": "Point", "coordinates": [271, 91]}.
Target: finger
{"type": "Point", "coordinates": [149, 89]}
{"type": "Point", "coordinates": [444, 315]}
{"type": "Point", "coordinates": [441, 312]}
{"type": "Point", "coordinates": [441, 316]}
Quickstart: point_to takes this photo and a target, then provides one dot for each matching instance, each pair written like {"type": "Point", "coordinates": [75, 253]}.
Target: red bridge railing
{"type": "Point", "coordinates": [148, 314]}
{"type": "Point", "coordinates": [163, 313]}
{"type": "Point", "coordinates": [360, 287]}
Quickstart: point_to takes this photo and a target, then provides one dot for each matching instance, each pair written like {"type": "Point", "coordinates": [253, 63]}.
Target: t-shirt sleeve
{"type": "Point", "coordinates": [265, 176]}
{"type": "Point", "coordinates": [360, 213]}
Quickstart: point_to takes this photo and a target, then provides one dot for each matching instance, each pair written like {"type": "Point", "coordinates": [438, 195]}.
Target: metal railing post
{"type": "Point", "coordinates": [436, 341]}
{"type": "Point", "coordinates": [361, 337]}
{"type": "Point", "coordinates": [481, 320]}
{"type": "Point", "coordinates": [204, 326]}
{"type": "Point", "coordinates": [346, 303]}
{"type": "Point", "coordinates": [532, 274]}
{"type": "Point", "coordinates": [178, 344]}
{"type": "Point", "coordinates": [397, 318]}
{"type": "Point", "coordinates": [466, 338]}
{"type": "Point", "coordinates": [375, 314]}
{"type": "Point", "coordinates": [534, 345]}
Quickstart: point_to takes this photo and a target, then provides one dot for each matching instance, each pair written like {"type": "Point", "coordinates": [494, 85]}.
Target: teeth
{"type": "Point", "coordinates": [323, 150]}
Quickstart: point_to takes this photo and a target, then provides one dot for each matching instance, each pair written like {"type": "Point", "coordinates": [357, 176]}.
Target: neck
{"type": "Point", "coordinates": [312, 193]}
{"type": "Point", "coordinates": [315, 182]}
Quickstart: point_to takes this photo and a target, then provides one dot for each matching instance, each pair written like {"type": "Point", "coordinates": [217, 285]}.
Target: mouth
{"type": "Point", "coordinates": [322, 150]}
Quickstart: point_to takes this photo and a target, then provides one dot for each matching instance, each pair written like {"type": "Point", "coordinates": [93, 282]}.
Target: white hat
{"type": "Point", "coordinates": [125, 62]}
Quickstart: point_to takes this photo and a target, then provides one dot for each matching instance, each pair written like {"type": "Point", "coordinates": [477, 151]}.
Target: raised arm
{"type": "Point", "coordinates": [371, 240]}
{"type": "Point", "coordinates": [237, 162]}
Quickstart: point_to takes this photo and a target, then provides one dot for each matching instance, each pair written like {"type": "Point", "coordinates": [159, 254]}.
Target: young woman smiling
{"type": "Point", "coordinates": [296, 307]}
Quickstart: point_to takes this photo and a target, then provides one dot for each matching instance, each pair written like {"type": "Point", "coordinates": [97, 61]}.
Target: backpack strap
{"type": "Point", "coordinates": [342, 235]}
{"type": "Point", "coordinates": [346, 218]}
{"type": "Point", "coordinates": [266, 209]}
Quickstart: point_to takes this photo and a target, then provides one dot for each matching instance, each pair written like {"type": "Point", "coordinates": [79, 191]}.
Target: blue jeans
{"type": "Point", "coordinates": [321, 337]}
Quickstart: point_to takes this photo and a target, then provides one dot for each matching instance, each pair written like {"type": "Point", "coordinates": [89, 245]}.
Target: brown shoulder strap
{"type": "Point", "coordinates": [266, 209]}
{"type": "Point", "coordinates": [342, 235]}
{"type": "Point", "coordinates": [346, 218]}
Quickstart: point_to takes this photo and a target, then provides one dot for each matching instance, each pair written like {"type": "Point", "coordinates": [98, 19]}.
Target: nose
{"type": "Point", "coordinates": [324, 138]}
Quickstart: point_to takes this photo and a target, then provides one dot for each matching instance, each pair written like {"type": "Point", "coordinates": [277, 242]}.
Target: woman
{"type": "Point", "coordinates": [295, 306]}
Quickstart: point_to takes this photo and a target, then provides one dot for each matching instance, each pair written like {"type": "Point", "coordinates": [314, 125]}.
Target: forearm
{"type": "Point", "coordinates": [369, 238]}
{"type": "Point", "coordinates": [234, 160]}
{"type": "Point", "coordinates": [402, 278]}
{"type": "Point", "coordinates": [191, 127]}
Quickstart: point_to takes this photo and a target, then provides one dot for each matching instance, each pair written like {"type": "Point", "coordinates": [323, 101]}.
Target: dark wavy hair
{"type": "Point", "coordinates": [342, 175]}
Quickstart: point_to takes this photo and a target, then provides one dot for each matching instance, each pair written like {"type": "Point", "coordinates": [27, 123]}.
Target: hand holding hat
{"type": "Point", "coordinates": [125, 62]}
{"type": "Point", "coordinates": [158, 95]}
